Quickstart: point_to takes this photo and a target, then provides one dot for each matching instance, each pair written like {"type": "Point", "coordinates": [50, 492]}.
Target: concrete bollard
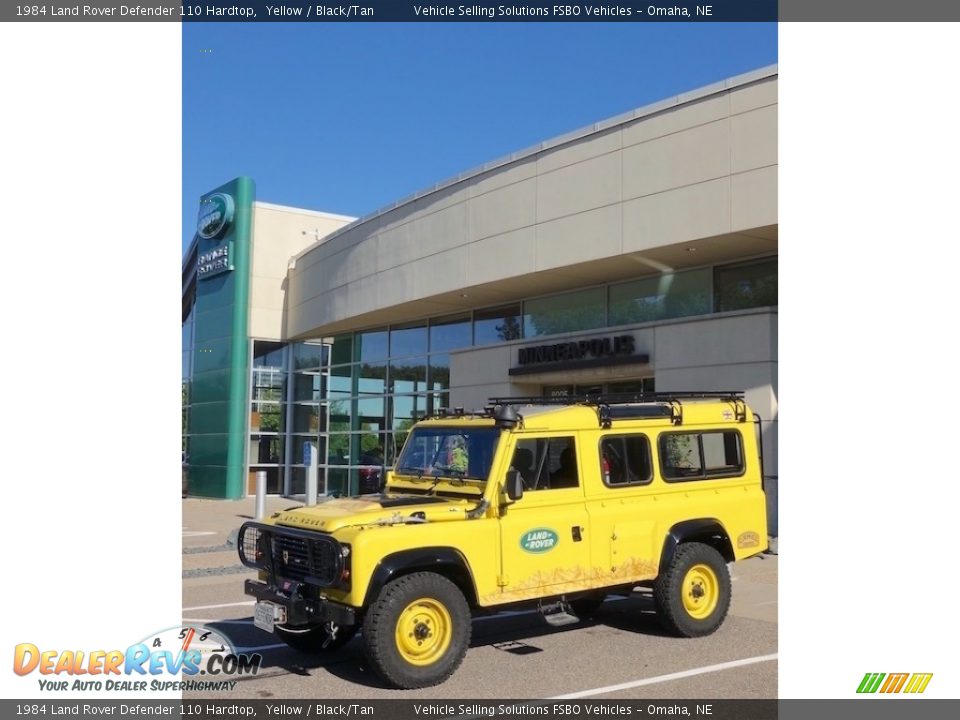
{"type": "Point", "coordinates": [261, 511]}
{"type": "Point", "coordinates": [311, 489]}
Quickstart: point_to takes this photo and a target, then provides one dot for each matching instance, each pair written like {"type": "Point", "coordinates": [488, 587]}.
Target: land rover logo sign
{"type": "Point", "coordinates": [539, 540]}
{"type": "Point", "coordinates": [216, 213]}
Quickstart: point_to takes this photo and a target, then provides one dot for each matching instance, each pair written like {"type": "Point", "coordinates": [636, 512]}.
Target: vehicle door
{"type": "Point", "coordinates": [544, 534]}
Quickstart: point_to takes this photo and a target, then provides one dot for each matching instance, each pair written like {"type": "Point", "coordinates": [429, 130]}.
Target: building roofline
{"type": "Point", "coordinates": [302, 211]}
{"type": "Point", "coordinates": [646, 110]}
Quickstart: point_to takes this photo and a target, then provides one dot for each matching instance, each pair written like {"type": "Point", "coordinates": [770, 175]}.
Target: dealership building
{"type": "Point", "coordinates": [638, 253]}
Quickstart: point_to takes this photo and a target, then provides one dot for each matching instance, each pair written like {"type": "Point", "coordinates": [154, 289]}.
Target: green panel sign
{"type": "Point", "coordinates": [220, 375]}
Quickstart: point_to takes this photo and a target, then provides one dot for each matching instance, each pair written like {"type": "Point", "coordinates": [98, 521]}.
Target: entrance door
{"type": "Point", "coordinates": [543, 535]}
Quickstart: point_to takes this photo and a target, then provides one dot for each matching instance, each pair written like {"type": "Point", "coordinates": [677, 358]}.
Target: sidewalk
{"type": "Point", "coordinates": [207, 523]}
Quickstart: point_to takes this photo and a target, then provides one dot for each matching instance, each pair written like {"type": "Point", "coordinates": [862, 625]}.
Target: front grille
{"type": "Point", "coordinates": [315, 560]}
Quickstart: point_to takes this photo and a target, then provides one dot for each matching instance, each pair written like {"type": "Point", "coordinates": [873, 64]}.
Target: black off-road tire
{"type": "Point", "coordinates": [397, 603]}
{"type": "Point", "coordinates": [676, 589]}
{"type": "Point", "coordinates": [310, 640]}
{"type": "Point", "coordinates": [587, 606]}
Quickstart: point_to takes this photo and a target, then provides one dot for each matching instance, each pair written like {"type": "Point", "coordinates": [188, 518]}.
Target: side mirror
{"type": "Point", "coordinates": [514, 485]}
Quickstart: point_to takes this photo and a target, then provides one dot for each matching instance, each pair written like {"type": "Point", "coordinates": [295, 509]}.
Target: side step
{"type": "Point", "coordinates": [558, 614]}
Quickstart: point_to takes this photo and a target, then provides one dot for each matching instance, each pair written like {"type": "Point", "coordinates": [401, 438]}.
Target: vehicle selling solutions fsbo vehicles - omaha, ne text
{"type": "Point", "coordinates": [555, 503]}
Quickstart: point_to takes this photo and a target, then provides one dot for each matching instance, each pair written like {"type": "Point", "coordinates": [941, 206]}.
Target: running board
{"type": "Point", "coordinates": [558, 614]}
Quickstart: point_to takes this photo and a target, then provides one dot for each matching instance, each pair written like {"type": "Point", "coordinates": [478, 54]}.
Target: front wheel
{"type": "Point", "coordinates": [693, 594]}
{"type": "Point", "coordinates": [314, 639]}
{"type": "Point", "coordinates": [417, 631]}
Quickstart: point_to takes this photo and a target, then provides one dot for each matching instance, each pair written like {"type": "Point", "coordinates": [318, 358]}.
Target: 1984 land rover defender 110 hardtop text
{"type": "Point", "coordinates": [532, 500]}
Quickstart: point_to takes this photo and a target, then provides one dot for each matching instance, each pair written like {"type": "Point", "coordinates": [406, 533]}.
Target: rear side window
{"type": "Point", "coordinates": [696, 456]}
{"type": "Point", "coordinates": [625, 460]}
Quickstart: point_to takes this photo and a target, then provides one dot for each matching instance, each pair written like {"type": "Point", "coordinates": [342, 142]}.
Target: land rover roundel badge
{"type": "Point", "coordinates": [216, 213]}
{"type": "Point", "coordinates": [539, 540]}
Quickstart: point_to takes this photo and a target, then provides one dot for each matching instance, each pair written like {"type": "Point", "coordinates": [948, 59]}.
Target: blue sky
{"type": "Point", "coordinates": [347, 118]}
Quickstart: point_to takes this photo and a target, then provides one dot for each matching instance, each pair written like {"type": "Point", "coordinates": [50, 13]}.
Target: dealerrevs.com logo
{"type": "Point", "coordinates": [894, 683]}
{"type": "Point", "coordinates": [153, 663]}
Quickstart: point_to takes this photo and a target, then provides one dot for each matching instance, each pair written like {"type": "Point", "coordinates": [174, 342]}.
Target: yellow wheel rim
{"type": "Point", "coordinates": [423, 632]}
{"type": "Point", "coordinates": [700, 591]}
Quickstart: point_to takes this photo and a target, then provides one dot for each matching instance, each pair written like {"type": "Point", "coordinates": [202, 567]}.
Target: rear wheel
{"type": "Point", "coordinates": [417, 631]}
{"type": "Point", "coordinates": [313, 639]}
{"type": "Point", "coordinates": [693, 594]}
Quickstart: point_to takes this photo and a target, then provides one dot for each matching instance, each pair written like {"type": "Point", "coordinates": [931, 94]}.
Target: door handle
{"type": "Point", "coordinates": [576, 529]}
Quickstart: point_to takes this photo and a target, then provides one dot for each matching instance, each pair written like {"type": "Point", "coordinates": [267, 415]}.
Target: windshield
{"type": "Point", "coordinates": [450, 452]}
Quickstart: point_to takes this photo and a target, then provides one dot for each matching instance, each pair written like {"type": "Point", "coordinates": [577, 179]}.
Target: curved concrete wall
{"type": "Point", "coordinates": [618, 200]}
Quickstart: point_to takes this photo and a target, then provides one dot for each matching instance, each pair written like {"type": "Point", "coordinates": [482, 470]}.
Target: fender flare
{"type": "Point", "coordinates": [702, 529]}
{"type": "Point", "coordinates": [446, 561]}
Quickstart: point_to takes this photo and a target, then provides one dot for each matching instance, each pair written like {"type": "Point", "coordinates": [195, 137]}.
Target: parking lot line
{"type": "Point", "coordinates": [197, 533]}
{"type": "Point", "coordinates": [211, 607]}
{"type": "Point", "coordinates": [667, 678]}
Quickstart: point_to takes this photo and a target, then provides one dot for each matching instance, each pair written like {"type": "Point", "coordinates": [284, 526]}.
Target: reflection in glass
{"type": "Point", "coordinates": [371, 346]}
{"type": "Point", "coordinates": [409, 376]}
{"type": "Point", "coordinates": [341, 350]}
{"type": "Point", "coordinates": [338, 449]}
{"type": "Point", "coordinates": [337, 481]}
{"type": "Point", "coordinates": [669, 295]}
{"type": "Point", "coordinates": [298, 480]}
{"type": "Point", "coordinates": [497, 324]}
{"type": "Point", "coordinates": [269, 354]}
{"type": "Point", "coordinates": [408, 341]}
{"type": "Point", "coordinates": [450, 333]}
{"type": "Point", "coordinates": [370, 414]}
{"type": "Point", "coordinates": [306, 418]}
{"type": "Point", "coordinates": [372, 378]}
{"type": "Point", "coordinates": [340, 411]}
{"type": "Point", "coordinates": [309, 356]}
{"type": "Point", "coordinates": [579, 310]}
{"type": "Point", "coordinates": [439, 372]}
{"type": "Point", "coordinates": [308, 387]}
{"type": "Point", "coordinates": [739, 287]}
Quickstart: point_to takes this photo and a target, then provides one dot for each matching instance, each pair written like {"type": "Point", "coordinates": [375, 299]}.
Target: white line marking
{"type": "Point", "coordinates": [203, 621]}
{"type": "Point", "coordinates": [210, 607]}
{"type": "Point", "coordinates": [767, 602]}
{"type": "Point", "coordinates": [197, 533]}
{"type": "Point", "coordinates": [666, 678]}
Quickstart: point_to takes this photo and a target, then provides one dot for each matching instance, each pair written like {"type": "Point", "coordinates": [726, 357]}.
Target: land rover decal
{"type": "Point", "coordinates": [539, 540]}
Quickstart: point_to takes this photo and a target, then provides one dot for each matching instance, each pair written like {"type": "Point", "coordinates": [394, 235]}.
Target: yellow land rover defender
{"type": "Point", "coordinates": [555, 503]}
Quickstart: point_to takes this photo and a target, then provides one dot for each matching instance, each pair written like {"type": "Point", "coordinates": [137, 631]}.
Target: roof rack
{"type": "Point", "coordinates": [623, 406]}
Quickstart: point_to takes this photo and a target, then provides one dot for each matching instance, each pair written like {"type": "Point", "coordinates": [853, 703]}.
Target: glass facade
{"type": "Point", "coordinates": [746, 285]}
{"type": "Point", "coordinates": [566, 312]}
{"type": "Point", "coordinates": [666, 296]}
{"type": "Point", "coordinates": [348, 402]}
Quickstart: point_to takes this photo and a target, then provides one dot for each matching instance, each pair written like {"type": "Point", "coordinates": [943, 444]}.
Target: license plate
{"type": "Point", "coordinates": [266, 614]}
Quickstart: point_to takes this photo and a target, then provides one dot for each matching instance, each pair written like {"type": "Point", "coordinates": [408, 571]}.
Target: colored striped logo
{"type": "Point", "coordinates": [894, 682]}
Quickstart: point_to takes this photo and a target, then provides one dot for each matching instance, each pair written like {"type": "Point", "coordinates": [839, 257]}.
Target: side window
{"type": "Point", "coordinates": [625, 460]}
{"type": "Point", "coordinates": [546, 463]}
{"type": "Point", "coordinates": [696, 456]}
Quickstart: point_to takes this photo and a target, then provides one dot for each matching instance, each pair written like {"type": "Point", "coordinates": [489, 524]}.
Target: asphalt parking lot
{"type": "Point", "coordinates": [622, 653]}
